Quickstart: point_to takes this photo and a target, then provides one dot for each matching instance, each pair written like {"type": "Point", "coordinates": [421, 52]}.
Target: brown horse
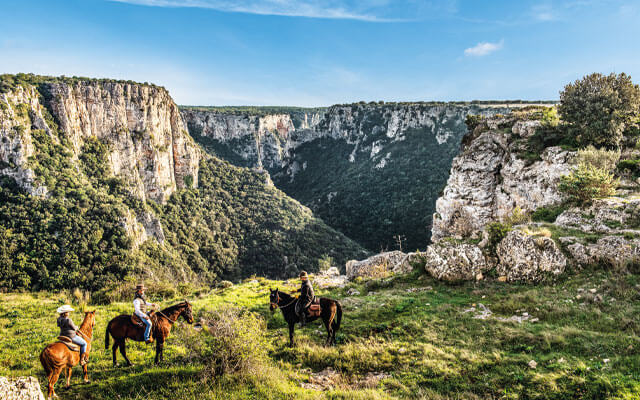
{"type": "Point", "coordinates": [57, 356]}
{"type": "Point", "coordinates": [330, 312]}
{"type": "Point", "coordinates": [121, 328]}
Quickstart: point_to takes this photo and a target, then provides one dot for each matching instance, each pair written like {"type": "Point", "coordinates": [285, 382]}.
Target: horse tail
{"type": "Point", "coordinates": [338, 317]}
{"type": "Point", "coordinates": [106, 336]}
{"type": "Point", "coordinates": [46, 361]}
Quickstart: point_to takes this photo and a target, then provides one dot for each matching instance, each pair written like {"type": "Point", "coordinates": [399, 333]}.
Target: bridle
{"type": "Point", "coordinates": [169, 319]}
{"type": "Point", "coordinates": [276, 305]}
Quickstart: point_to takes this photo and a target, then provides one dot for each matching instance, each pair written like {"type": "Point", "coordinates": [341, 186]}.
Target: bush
{"type": "Point", "coordinates": [517, 216]}
{"type": "Point", "coordinates": [235, 342]}
{"type": "Point", "coordinates": [548, 214]}
{"type": "Point", "coordinates": [599, 158]}
{"type": "Point", "coordinates": [630, 166]}
{"type": "Point", "coordinates": [600, 108]}
{"type": "Point", "coordinates": [587, 183]}
{"type": "Point", "coordinates": [473, 121]}
{"type": "Point", "coordinates": [497, 231]}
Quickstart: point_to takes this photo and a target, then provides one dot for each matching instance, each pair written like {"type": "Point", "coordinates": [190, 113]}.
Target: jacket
{"type": "Point", "coordinates": [306, 294]}
{"type": "Point", "coordinates": [67, 327]}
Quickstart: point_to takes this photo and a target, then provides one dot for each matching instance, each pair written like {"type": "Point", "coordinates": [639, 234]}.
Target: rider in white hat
{"type": "Point", "coordinates": [69, 329]}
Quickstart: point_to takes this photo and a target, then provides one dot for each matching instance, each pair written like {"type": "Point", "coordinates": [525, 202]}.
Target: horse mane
{"type": "Point", "coordinates": [174, 307]}
{"type": "Point", "coordinates": [84, 326]}
{"type": "Point", "coordinates": [284, 295]}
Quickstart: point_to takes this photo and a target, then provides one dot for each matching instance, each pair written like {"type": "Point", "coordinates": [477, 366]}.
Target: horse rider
{"type": "Point", "coordinates": [140, 305]}
{"type": "Point", "coordinates": [305, 299]}
{"type": "Point", "coordinates": [69, 329]}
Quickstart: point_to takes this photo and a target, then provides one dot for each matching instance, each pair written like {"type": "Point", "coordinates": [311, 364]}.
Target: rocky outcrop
{"type": "Point", "coordinates": [381, 265]}
{"type": "Point", "coordinates": [488, 180]}
{"type": "Point", "coordinates": [21, 388]}
{"type": "Point", "coordinates": [148, 142]}
{"type": "Point", "coordinates": [603, 216]}
{"type": "Point", "coordinates": [454, 262]}
{"type": "Point", "coordinates": [612, 251]}
{"type": "Point", "coordinates": [524, 257]}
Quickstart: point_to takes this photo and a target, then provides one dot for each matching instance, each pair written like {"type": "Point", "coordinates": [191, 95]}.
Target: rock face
{"type": "Point", "coordinates": [148, 141]}
{"type": "Point", "coordinates": [529, 258]}
{"type": "Point", "coordinates": [20, 113]}
{"type": "Point", "coordinates": [380, 265]}
{"type": "Point", "coordinates": [488, 180]}
{"type": "Point", "coordinates": [454, 262]}
{"type": "Point", "coordinates": [22, 388]}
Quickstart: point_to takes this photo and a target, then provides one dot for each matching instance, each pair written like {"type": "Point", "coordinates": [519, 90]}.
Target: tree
{"type": "Point", "coordinates": [599, 108]}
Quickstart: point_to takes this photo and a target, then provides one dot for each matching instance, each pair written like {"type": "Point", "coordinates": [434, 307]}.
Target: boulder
{"type": "Point", "coordinates": [609, 250]}
{"type": "Point", "coordinates": [380, 265]}
{"type": "Point", "coordinates": [21, 388]}
{"type": "Point", "coordinates": [526, 129]}
{"type": "Point", "coordinates": [329, 279]}
{"type": "Point", "coordinates": [455, 261]}
{"type": "Point", "coordinates": [529, 258]}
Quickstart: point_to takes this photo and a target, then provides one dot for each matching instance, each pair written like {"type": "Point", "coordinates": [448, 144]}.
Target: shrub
{"type": "Point", "coordinates": [550, 117]}
{"type": "Point", "coordinates": [473, 121]}
{"type": "Point", "coordinates": [630, 166]}
{"type": "Point", "coordinates": [600, 108]}
{"type": "Point", "coordinates": [497, 231]}
{"type": "Point", "coordinates": [325, 262]}
{"type": "Point", "coordinates": [235, 342]}
{"type": "Point", "coordinates": [587, 183]}
{"type": "Point", "coordinates": [548, 214]}
{"type": "Point", "coordinates": [517, 216]}
{"type": "Point", "coordinates": [599, 158]}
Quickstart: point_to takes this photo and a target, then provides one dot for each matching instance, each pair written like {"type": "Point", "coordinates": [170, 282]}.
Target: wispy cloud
{"type": "Point", "coordinates": [326, 9]}
{"type": "Point", "coordinates": [483, 49]}
{"type": "Point", "coordinates": [543, 12]}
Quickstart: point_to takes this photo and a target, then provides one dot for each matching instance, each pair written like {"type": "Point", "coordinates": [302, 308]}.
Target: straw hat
{"type": "Point", "coordinates": [140, 286]}
{"type": "Point", "coordinates": [65, 308]}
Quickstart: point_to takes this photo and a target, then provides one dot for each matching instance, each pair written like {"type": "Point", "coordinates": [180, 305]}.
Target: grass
{"type": "Point", "coordinates": [421, 338]}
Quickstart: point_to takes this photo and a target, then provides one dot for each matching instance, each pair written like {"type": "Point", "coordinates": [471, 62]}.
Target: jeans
{"type": "Point", "coordinates": [80, 342]}
{"type": "Point", "coordinates": [147, 328]}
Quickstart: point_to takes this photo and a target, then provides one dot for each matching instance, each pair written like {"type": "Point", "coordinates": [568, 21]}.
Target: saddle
{"type": "Point", "coordinates": [314, 309]}
{"type": "Point", "coordinates": [136, 320]}
{"type": "Point", "coordinates": [67, 342]}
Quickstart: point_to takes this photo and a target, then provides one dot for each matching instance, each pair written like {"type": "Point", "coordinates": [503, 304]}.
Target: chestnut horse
{"type": "Point", "coordinates": [121, 328]}
{"type": "Point", "coordinates": [57, 356]}
{"type": "Point", "coordinates": [330, 312]}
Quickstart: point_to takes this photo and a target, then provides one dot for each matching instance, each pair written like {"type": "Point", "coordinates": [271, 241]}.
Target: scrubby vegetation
{"type": "Point", "coordinates": [420, 336]}
{"type": "Point", "coordinates": [587, 183]}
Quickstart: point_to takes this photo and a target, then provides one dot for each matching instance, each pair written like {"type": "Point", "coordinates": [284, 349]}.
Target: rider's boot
{"type": "Point", "coordinates": [83, 359]}
{"type": "Point", "coordinates": [303, 319]}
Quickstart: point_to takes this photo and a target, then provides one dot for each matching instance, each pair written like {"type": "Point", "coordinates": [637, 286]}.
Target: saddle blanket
{"type": "Point", "coordinates": [67, 342]}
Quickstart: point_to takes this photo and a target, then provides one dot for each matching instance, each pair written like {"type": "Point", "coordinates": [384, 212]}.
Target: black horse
{"type": "Point", "coordinates": [330, 312]}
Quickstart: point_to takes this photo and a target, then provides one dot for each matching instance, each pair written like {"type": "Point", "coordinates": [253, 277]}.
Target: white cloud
{"type": "Point", "coordinates": [327, 9]}
{"type": "Point", "coordinates": [483, 48]}
{"type": "Point", "coordinates": [544, 12]}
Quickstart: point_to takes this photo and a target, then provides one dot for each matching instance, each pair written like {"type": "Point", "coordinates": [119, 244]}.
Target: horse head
{"type": "Point", "coordinates": [274, 299]}
{"type": "Point", "coordinates": [187, 313]}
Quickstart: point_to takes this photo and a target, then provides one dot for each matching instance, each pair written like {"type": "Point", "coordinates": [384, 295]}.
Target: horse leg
{"type": "Point", "coordinates": [114, 350]}
{"type": "Point", "coordinates": [53, 378]}
{"type": "Point", "coordinates": [67, 372]}
{"type": "Point", "coordinates": [291, 329]}
{"type": "Point", "coordinates": [85, 371]}
{"type": "Point", "coordinates": [159, 351]}
{"type": "Point", "coordinates": [123, 351]}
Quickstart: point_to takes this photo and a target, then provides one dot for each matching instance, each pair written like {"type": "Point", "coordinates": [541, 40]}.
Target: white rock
{"type": "Point", "coordinates": [455, 262]}
{"type": "Point", "coordinates": [529, 258]}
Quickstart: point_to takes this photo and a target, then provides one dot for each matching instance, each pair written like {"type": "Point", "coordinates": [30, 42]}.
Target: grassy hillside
{"type": "Point", "coordinates": [411, 328]}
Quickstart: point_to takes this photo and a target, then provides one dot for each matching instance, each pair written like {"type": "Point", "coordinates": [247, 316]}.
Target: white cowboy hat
{"type": "Point", "coordinates": [64, 308]}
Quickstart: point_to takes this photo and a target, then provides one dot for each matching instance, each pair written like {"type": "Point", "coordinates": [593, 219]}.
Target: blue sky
{"type": "Point", "coordinates": [321, 52]}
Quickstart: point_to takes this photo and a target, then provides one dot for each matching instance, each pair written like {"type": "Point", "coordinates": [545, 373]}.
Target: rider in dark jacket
{"type": "Point", "coordinates": [305, 299]}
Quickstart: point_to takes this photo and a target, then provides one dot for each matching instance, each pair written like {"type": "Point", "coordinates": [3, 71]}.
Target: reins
{"type": "Point", "coordinates": [172, 321]}
{"type": "Point", "coordinates": [291, 302]}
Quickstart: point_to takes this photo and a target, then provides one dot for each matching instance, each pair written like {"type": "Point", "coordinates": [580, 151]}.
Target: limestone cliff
{"type": "Point", "coordinates": [373, 171]}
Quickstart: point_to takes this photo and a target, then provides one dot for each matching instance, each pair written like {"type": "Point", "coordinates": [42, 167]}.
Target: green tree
{"type": "Point", "coordinates": [587, 183]}
{"type": "Point", "coordinates": [599, 108]}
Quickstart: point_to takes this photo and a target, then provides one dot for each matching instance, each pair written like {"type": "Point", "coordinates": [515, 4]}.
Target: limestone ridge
{"type": "Point", "coordinates": [388, 159]}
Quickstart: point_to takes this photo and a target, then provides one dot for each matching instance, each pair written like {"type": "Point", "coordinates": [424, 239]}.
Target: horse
{"type": "Point", "coordinates": [330, 312]}
{"type": "Point", "coordinates": [57, 356]}
{"type": "Point", "coordinates": [121, 328]}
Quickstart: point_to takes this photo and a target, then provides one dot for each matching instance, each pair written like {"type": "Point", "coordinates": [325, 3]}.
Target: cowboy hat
{"type": "Point", "coordinates": [303, 274]}
{"type": "Point", "coordinates": [140, 286]}
{"type": "Point", "coordinates": [65, 308]}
